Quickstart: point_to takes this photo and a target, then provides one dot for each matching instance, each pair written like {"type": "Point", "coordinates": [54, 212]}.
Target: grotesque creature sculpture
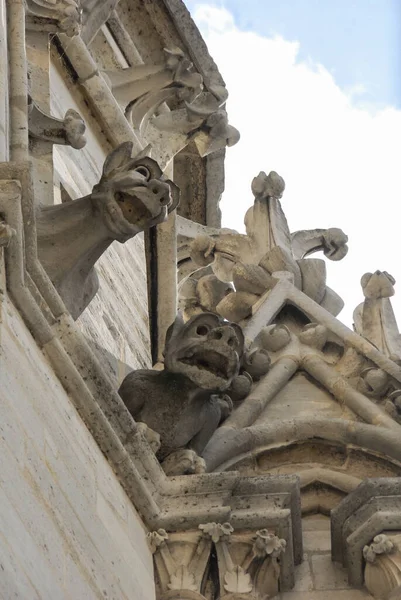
{"type": "Point", "coordinates": [256, 261]}
{"type": "Point", "coordinates": [132, 196]}
{"type": "Point", "coordinates": [185, 403]}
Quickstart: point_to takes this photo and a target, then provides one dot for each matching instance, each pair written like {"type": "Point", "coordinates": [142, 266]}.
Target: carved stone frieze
{"type": "Point", "coordinates": [254, 263]}
{"type": "Point", "coordinates": [69, 131]}
{"type": "Point", "coordinates": [243, 565]}
{"type": "Point", "coordinates": [131, 196]}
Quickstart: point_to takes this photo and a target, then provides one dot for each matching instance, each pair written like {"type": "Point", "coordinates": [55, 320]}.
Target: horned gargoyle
{"type": "Point", "coordinates": [185, 403]}
{"type": "Point", "coordinates": [132, 196]}
{"type": "Point", "coordinates": [255, 262]}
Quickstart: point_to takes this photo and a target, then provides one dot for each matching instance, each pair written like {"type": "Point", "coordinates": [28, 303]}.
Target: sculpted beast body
{"type": "Point", "coordinates": [185, 403]}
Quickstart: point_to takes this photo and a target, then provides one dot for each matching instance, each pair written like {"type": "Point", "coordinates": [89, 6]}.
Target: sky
{"type": "Point", "coordinates": [315, 91]}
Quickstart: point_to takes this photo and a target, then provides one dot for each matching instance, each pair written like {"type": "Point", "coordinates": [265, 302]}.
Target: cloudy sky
{"type": "Point", "coordinates": [315, 90]}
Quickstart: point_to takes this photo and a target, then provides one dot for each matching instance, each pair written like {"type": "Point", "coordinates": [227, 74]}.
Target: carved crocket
{"type": "Point", "coordinates": [255, 262]}
{"type": "Point", "coordinates": [184, 403]}
{"type": "Point", "coordinates": [132, 196]}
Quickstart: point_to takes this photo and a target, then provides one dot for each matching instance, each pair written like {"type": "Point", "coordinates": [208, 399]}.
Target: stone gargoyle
{"type": "Point", "coordinates": [254, 262]}
{"type": "Point", "coordinates": [185, 402]}
{"type": "Point", "coordinates": [131, 197]}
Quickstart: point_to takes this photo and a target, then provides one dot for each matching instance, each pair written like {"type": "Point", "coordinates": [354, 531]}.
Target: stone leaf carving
{"type": "Point", "coordinates": [185, 402]}
{"type": "Point", "coordinates": [58, 16]}
{"type": "Point", "coordinates": [374, 319]}
{"type": "Point", "coordinates": [244, 563]}
{"type": "Point", "coordinates": [69, 131]}
{"type": "Point", "coordinates": [132, 196]}
{"type": "Point", "coordinates": [156, 539]}
{"type": "Point", "coordinates": [383, 565]}
{"type": "Point", "coordinates": [237, 581]}
{"type": "Point", "coordinates": [255, 262]}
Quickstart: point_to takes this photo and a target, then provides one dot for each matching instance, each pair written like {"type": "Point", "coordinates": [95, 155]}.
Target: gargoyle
{"type": "Point", "coordinates": [254, 262]}
{"type": "Point", "coordinates": [132, 196]}
{"type": "Point", "coordinates": [185, 402]}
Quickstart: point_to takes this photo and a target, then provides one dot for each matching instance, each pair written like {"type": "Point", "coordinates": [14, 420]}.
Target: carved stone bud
{"type": "Point", "coordinates": [383, 565]}
{"type": "Point", "coordinates": [274, 337]}
{"type": "Point", "coordinates": [314, 335]}
{"type": "Point", "coordinates": [268, 186]}
{"type": "Point", "coordinates": [60, 15]}
{"type": "Point", "coordinates": [156, 539]}
{"type": "Point", "coordinates": [373, 382]}
{"type": "Point", "coordinates": [377, 285]}
{"type": "Point", "coordinates": [266, 543]}
{"type": "Point", "coordinates": [217, 531]}
{"type": "Point", "coordinates": [257, 363]}
{"type": "Point", "coordinates": [240, 386]}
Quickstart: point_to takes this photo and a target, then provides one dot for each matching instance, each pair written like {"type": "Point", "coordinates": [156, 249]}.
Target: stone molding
{"type": "Point", "coordinates": [357, 525]}
{"type": "Point", "coordinates": [247, 562]}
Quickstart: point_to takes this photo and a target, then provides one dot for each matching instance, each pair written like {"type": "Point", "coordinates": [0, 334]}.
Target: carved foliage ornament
{"type": "Point", "coordinates": [383, 565]}
{"type": "Point", "coordinates": [246, 563]}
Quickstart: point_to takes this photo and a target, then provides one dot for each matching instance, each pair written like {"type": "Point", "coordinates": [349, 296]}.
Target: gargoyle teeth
{"type": "Point", "coordinates": [215, 363]}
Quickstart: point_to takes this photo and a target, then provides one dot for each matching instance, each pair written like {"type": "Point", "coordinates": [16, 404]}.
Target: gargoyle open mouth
{"type": "Point", "coordinates": [136, 211]}
{"type": "Point", "coordinates": [214, 368]}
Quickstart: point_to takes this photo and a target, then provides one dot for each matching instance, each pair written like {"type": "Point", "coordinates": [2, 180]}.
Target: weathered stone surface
{"type": "Point", "coordinates": [183, 403]}
{"type": "Point", "coordinates": [130, 197]}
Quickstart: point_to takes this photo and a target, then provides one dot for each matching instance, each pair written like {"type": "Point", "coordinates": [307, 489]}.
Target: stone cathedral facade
{"type": "Point", "coordinates": [182, 414]}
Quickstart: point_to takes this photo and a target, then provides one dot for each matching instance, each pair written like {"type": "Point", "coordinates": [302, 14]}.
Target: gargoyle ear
{"type": "Point", "coordinates": [241, 338]}
{"type": "Point", "coordinates": [117, 158]}
{"type": "Point", "coordinates": [175, 328]}
{"type": "Point", "coordinates": [175, 195]}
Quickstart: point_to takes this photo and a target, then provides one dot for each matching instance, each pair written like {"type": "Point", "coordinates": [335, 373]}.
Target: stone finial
{"type": "Point", "coordinates": [58, 16]}
{"type": "Point", "coordinates": [254, 263]}
{"type": "Point", "coordinates": [374, 319]}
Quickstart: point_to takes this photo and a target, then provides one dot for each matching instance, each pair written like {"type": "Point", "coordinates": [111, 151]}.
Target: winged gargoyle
{"type": "Point", "coordinates": [131, 196]}
{"type": "Point", "coordinates": [254, 261]}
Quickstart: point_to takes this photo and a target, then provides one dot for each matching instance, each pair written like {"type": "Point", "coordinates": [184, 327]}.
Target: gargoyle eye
{"type": "Point", "coordinates": [144, 171]}
{"type": "Point", "coordinates": [202, 330]}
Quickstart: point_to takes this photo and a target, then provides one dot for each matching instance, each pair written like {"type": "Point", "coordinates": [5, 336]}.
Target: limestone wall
{"type": "Point", "coordinates": [116, 321]}
{"type": "Point", "coordinates": [67, 529]}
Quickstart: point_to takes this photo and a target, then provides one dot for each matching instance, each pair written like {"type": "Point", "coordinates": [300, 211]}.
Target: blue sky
{"type": "Point", "coordinates": [357, 41]}
{"type": "Point", "coordinates": [290, 67]}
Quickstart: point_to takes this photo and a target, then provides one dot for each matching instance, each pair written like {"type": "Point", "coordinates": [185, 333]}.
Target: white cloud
{"type": "Point", "coordinates": [340, 162]}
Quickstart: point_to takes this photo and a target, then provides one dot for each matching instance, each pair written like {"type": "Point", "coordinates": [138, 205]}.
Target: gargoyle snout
{"type": "Point", "coordinates": [160, 191]}
{"type": "Point", "coordinates": [224, 334]}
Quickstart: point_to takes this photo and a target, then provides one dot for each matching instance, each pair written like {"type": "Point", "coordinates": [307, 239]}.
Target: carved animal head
{"type": "Point", "coordinates": [206, 349]}
{"type": "Point", "coordinates": [132, 194]}
{"type": "Point", "coordinates": [335, 243]}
